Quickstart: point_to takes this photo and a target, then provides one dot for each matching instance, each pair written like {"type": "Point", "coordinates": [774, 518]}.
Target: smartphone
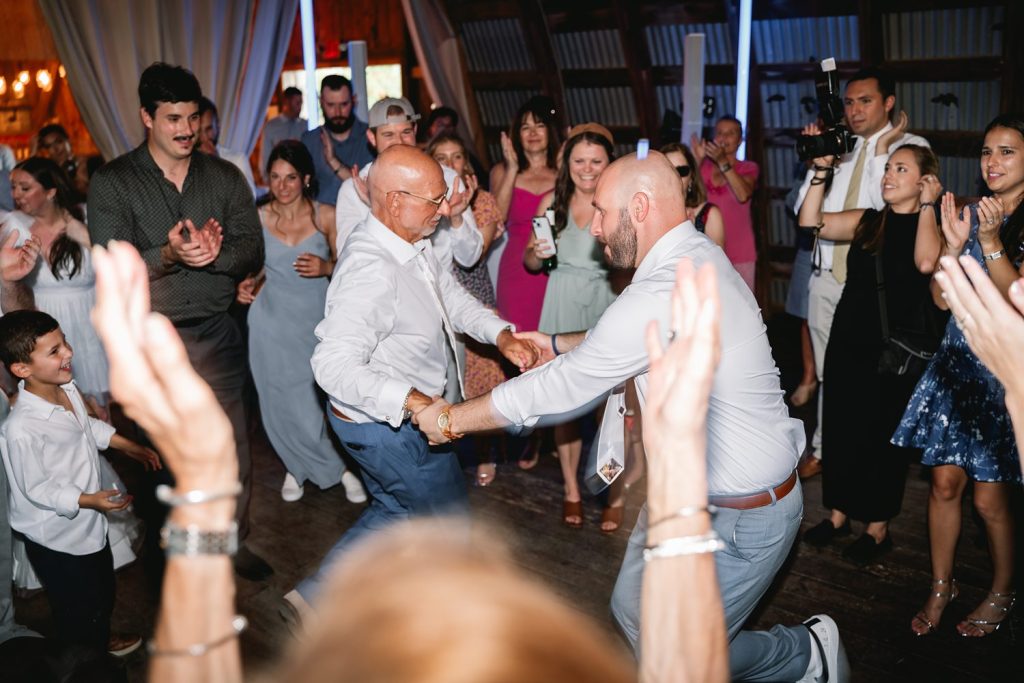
{"type": "Point", "coordinates": [542, 230]}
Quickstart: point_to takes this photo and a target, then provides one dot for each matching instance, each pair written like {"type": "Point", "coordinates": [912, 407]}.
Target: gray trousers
{"type": "Point", "coordinates": [822, 298]}
{"type": "Point", "coordinates": [757, 542]}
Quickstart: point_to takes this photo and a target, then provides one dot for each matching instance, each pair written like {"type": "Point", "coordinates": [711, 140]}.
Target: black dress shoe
{"type": "Point", "coordinates": [251, 566]}
{"type": "Point", "coordinates": [866, 550]}
{"type": "Point", "coordinates": [823, 534]}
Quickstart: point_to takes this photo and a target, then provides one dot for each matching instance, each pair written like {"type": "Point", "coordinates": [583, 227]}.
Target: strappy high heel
{"type": "Point", "coordinates": [949, 595]}
{"type": "Point", "coordinates": [990, 626]}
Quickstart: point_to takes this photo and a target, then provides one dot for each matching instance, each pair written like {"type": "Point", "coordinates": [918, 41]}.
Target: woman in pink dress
{"type": "Point", "coordinates": [530, 149]}
{"type": "Point", "coordinates": [730, 184]}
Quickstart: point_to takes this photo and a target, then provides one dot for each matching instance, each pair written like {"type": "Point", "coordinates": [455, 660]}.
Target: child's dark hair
{"type": "Point", "coordinates": [162, 82]}
{"type": "Point", "coordinates": [19, 331]}
{"type": "Point", "coordinates": [65, 253]}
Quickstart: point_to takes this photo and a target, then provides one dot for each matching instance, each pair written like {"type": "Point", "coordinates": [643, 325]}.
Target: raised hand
{"type": "Point", "coordinates": [955, 228]}
{"type": "Point", "coordinates": [150, 375]}
{"type": "Point", "coordinates": [461, 195]}
{"type": "Point", "coordinates": [17, 262]}
{"type": "Point", "coordinates": [889, 137]}
{"type": "Point", "coordinates": [508, 151]}
{"type": "Point", "coordinates": [993, 328]}
{"type": "Point", "coordinates": [360, 184]}
{"type": "Point", "coordinates": [680, 379]}
{"type": "Point", "coordinates": [931, 189]}
{"type": "Point", "coordinates": [990, 219]}
{"type": "Point", "coordinates": [697, 147]}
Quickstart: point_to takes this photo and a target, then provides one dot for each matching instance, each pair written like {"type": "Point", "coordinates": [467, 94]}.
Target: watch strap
{"type": "Point", "coordinates": [191, 540]}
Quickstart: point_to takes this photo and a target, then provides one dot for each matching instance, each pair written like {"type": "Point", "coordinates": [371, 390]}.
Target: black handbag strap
{"type": "Point", "coordinates": [880, 286]}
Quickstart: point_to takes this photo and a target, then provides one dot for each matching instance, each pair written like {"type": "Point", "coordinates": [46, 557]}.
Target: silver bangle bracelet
{"type": "Point", "coordinates": [684, 512]}
{"type": "Point", "coordinates": [166, 495]}
{"type": "Point", "coordinates": [685, 545]}
{"type": "Point", "coordinates": [994, 255]}
{"type": "Point", "coordinates": [238, 624]}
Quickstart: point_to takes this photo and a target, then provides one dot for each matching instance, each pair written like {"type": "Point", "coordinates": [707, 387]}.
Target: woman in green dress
{"type": "Point", "coordinates": [578, 289]}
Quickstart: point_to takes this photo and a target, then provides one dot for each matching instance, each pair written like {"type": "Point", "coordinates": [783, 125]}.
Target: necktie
{"type": "Point", "coordinates": [852, 196]}
{"type": "Point", "coordinates": [446, 323]}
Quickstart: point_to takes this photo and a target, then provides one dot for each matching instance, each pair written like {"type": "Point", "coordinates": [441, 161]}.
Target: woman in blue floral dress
{"type": "Point", "coordinates": [957, 413]}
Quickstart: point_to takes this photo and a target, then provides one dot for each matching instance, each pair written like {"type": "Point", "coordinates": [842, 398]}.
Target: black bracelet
{"type": "Point", "coordinates": [815, 180]}
{"type": "Point", "coordinates": [554, 347]}
{"type": "Point", "coordinates": [827, 169]}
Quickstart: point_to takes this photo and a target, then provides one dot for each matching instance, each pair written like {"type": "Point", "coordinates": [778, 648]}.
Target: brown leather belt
{"type": "Point", "coordinates": [340, 415]}
{"type": "Point", "coordinates": [755, 500]}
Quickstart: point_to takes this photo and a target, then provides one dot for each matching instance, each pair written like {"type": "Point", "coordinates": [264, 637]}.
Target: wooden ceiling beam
{"type": "Point", "coordinates": [638, 63]}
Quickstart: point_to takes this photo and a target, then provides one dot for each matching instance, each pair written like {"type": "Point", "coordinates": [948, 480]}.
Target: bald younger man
{"type": "Point", "coordinates": [753, 444]}
{"type": "Point", "coordinates": [391, 311]}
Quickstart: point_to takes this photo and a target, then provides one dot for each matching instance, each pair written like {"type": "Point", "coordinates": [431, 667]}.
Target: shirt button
{"type": "Point", "coordinates": [387, 418]}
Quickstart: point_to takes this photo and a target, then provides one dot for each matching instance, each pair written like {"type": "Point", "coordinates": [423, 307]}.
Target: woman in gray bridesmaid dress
{"type": "Point", "coordinates": [286, 302]}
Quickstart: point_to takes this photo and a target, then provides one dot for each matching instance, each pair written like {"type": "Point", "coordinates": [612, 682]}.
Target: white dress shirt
{"type": "Point", "coordinates": [464, 245]}
{"type": "Point", "coordinates": [870, 195]}
{"type": "Point", "coordinates": [52, 457]}
{"type": "Point", "coordinates": [382, 332]}
{"type": "Point", "coordinates": [753, 444]}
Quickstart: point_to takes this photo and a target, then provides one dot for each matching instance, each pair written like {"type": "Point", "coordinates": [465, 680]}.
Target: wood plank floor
{"type": "Point", "coordinates": [872, 606]}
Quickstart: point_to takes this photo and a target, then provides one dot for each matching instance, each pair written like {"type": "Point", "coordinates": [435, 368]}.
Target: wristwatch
{"type": "Point", "coordinates": [444, 423]}
{"type": "Point", "coordinates": [191, 540]}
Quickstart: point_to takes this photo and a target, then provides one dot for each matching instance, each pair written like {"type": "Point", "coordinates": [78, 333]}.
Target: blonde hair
{"type": "Point", "coordinates": [439, 601]}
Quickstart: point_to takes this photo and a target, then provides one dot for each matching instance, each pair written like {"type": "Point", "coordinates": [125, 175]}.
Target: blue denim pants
{"type": "Point", "coordinates": [404, 478]}
{"type": "Point", "coordinates": [757, 542]}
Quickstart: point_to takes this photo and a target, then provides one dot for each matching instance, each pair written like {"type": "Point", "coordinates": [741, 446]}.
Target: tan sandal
{"type": "Point", "coordinates": [572, 513]}
{"type": "Point", "coordinates": [949, 595]}
{"type": "Point", "coordinates": [989, 626]}
{"type": "Point", "coordinates": [611, 515]}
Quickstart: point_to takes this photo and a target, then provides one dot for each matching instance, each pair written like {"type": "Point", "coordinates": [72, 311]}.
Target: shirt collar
{"type": "Point", "coordinates": [873, 138]}
{"type": "Point", "coordinates": [145, 160]}
{"type": "Point", "coordinates": [27, 401]}
{"type": "Point", "coordinates": [662, 247]}
{"type": "Point", "coordinates": [403, 251]}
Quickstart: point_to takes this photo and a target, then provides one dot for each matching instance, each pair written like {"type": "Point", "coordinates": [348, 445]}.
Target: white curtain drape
{"type": "Point", "coordinates": [236, 49]}
{"type": "Point", "coordinates": [440, 57]}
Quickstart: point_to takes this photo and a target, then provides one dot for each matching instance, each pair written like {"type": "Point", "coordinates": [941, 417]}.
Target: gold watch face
{"type": "Point", "coordinates": [443, 421]}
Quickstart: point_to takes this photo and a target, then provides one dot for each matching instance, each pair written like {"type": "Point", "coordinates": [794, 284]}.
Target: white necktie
{"type": "Point", "coordinates": [446, 323]}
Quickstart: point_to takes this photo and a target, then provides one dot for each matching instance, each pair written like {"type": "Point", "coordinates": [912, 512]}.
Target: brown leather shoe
{"type": "Point", "coordinates": [809, 467]}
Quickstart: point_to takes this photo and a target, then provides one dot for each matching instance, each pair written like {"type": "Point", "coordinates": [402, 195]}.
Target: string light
{"type": "Point", "coordinates": [44, 80]}
{"type": "Point", "coordinates": [3, 85]}
{"type": "Point", "coordinates": [61, 72]}
{"type": "Point", "coordinates": [18, 88]}
{"type": "Point", "coordinates": [24, 77]}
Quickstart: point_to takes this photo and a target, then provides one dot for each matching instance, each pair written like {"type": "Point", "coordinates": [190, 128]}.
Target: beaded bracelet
{"type": "Point", "coordinates": [685, 545]}
{"type": "Point", "coordinates": [684, 512]}
{"type": "Point", "coordinates": [166, 495]}
{"type": "Point", "coordinates": [238, 624]}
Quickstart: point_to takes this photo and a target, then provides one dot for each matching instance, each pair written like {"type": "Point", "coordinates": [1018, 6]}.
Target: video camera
{"type": "Point", "coordinates": [836, 138]}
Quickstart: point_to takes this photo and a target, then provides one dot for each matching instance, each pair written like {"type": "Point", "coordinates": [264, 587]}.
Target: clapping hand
{"type": "Point", "coordinates": [993, 328]}
{"type": "Point", "coordinates": [990, 219]}
{"type": "Point", "coordinates": [697, 147]}
{"type": "Point", "coordinates": [192, 247]}
{"type": "Point", "coordinates": [955, 228]}
{"type": "Point", "coordinates": [508, 151]}
{"type": "Point", "coordinates": [17, 262]}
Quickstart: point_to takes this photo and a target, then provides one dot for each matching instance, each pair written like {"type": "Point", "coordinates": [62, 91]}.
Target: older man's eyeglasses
{"type": "Point", "coordinates": [683, 171]}
{"type": "Point", "coordinates": [436, 202]}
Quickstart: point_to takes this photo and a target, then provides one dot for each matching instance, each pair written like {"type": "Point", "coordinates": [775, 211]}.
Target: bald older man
{"type": "Point", "coordinates": [753, 444]}
{"type": "Point", "coordinates": [391, 312]}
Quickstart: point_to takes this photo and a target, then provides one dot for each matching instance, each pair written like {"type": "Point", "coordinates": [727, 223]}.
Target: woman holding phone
{"type": "Point", "coordinates": [578, 289]}
{"type": "Point", "coordinates": [299, 237]}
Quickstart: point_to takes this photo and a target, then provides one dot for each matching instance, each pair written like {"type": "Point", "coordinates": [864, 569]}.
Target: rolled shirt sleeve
{"type": "Point", "coordinates": [101, 433]}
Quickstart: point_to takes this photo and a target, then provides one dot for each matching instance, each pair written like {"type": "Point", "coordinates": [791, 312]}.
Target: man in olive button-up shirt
{"type": "Point", "coordinates": [193, 219]}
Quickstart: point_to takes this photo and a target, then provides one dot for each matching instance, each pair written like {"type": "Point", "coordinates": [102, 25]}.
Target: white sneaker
{"type": "Point", "coordinates": [354, 490]}
{"type": "Point", "coordinates": [291, 491]}
{"type": "Point", "coordinates": [828, 656]}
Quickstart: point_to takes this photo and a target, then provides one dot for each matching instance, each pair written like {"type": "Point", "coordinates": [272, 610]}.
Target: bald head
{"type": "Point", "coordinates": [405, 185]}
{"type": "Point", "coordinates": [637, 201]}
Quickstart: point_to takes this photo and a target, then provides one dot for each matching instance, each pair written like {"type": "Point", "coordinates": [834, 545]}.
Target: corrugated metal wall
{"type": "Point", "coordinates": [496, 45]}
{"type": "Point", "coordinates": [796, 41]}
{"type": "Point", "coordinates": [665, 43]}
{"type": "Point", "coordinates": [589, 50]}
{"type": "Point", "coordinates": [931, 34]}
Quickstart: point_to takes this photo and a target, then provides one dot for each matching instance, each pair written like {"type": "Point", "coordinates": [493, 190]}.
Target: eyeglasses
{"type": "Point", "coordinates": [683, 171]}
{"type": "Point", "coordinates": [436, 202]}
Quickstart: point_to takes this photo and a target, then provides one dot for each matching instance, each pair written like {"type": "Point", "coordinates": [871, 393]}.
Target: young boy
{"type": "Point", "coordinates": [49, 446]}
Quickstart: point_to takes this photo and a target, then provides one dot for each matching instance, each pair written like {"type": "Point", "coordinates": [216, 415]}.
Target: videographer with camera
{"type": "Point", "coordinates": [885, 327]}
{"type": "Point", "coordinates": [862, 146]}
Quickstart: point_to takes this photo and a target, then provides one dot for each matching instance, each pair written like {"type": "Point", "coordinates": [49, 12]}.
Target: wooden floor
{"type": "Point", "coordinates": [872, 606]}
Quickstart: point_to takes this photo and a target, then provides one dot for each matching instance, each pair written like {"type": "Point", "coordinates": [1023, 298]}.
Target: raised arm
{"type": "Point", "coordinates": [928, 242]}
{"type": "Point", "coordinates": [839, 225]}
{"type": "Point", "coordinates": [503, 176]}
{"type": "Point", "coordinates": [956, 228]}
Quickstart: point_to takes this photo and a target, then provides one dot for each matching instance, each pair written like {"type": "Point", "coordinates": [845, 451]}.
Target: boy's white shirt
{"type": "Point", "coordinates": [51, 457]}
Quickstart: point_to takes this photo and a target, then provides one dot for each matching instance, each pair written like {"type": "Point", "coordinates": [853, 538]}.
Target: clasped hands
{"type": "Point", "coordinates": [194, 247]}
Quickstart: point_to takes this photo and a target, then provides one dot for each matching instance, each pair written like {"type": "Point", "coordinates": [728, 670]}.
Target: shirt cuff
{"type": "Point", "coordinates": [392, 397]}
{"type": "Point", "coordinates": [67, 502]}
{"type": "Point", "coordinates": [493, 328]}
{"type": "Point", "coordinates": [503, 402]}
